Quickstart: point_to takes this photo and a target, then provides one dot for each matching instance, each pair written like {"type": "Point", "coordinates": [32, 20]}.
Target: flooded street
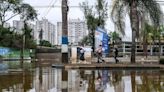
{"type": "Point", "coordinates": [47, 79]}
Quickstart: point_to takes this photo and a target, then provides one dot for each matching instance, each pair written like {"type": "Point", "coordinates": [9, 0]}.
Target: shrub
{"type": "Point", "coordinates": [161, 61]}
{"type": "Point", "coordinates": [1, 57]}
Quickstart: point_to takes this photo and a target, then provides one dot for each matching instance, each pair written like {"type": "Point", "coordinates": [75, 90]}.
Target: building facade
{"type": "Point", "coordinates": [49, 32]}
{"type": "Point", "coordinates": [77, 29]}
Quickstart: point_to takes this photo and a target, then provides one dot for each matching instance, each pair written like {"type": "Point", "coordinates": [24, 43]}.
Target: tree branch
{"type": "Point", "coordinates": [11, 17]}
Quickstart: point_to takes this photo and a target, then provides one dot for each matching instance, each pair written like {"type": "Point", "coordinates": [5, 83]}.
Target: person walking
{"type": "Point", "coordinates": [99, 54]}
{"type": "Point", "coordinates": [116, 54]}
{"type": "Point", "coordinates": [82, 51]}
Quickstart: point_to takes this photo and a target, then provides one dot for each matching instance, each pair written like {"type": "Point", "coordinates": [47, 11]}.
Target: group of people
{"type": "Point", "coordinates": [98, 53]}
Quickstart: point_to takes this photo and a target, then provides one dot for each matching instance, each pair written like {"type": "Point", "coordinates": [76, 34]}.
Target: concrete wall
{"type": "Point", "coordinates": [74, 57]}
{"type": "Point", "coordinates": [48, 58]}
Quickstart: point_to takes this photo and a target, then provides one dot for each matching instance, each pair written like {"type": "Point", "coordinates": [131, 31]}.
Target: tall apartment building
{"type": "Point", "coordinates": [47, 28]}
{"type": "Point", "coordinates": [48, 31]}
{"type": "Point", "coordinates": [77, 29]}
{"type": "Point", "coordinates": [18, 25]}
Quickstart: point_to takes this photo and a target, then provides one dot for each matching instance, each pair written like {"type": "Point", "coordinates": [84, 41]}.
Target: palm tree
{"type": "Point", "coordinates": [134, 8]}
{"type": "Point", "coordinates": [146, 36]}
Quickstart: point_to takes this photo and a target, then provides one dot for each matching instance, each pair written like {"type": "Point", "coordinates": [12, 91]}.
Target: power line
{"type": "Point", "coordinates": [50, 9]}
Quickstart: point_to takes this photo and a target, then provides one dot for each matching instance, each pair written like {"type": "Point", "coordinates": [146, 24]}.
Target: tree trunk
{"type": "Point", "coordinates": [134, 26]}
{"type": "Point", "coordinates": [153, 46]}
{"type": "Point", "coordinates": [145, 44]}
{"type": "Point", "coordinates": [93, 43]}
{"type": "Point", "coordinates": [22, 50]}
{"type": "Point", "coordinates": [159, 50]}
{"type": "Point", "coordinates": [133, 80]}
{"type": "Point", "coordinates": [91, 84]}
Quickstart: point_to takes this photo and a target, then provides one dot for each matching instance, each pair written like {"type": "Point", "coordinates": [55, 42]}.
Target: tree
{"type": "Point", "coordinates": [152, 35]}
{"type": "Point", "coordinates": [17, 8]}
{"type": "Point", "coordinates": [86, 40]}
{"type": "Point", "coordinates": [29, 40]}
{"type": "Point", "coordinates": [114, 37]}
{"type": "Point", "coordinates": [146, 35]}
{"type": "Point", "coordinates": [10, 38]}
{"type": "Point", "coordinates": [95, 18]}
{"type": "Point", "coordinates": [134, 8]}
{"type": "Point", "coordinates": [45, 43]}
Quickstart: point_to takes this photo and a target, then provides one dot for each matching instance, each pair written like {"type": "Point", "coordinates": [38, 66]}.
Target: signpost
{"type": "Point", "coordinates": [101, 37]}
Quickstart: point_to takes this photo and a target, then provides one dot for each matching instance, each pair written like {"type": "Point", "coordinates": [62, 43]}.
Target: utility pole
{"type": "Point", "coordinates": [64, 50]}
{"type": "Point", "coordinates": [64, 45]}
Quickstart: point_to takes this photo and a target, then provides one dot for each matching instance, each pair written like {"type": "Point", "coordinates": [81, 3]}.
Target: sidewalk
{"type": "Point", "coordinates": [141, 63]}
{"type": "Point", "coordinates": [139, 59]}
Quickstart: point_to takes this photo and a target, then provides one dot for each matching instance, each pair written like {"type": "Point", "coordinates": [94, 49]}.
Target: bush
{"type": "Point", "coordinates": [161, 61]}
{"type": "Point", "coordinates": [1, 57]}
{"type": "Point", "coordinates": [45, 43]}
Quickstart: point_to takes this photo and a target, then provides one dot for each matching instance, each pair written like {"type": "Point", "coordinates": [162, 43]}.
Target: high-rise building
{"type": "Point", "coordinates": [18, 25]}
{"type": "Point", "coordinates": [48, 31]}
{"type": "Point", "coordinates": [77, 29]}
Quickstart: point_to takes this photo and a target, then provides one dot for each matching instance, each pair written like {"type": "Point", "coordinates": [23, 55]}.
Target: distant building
{"type": "Point", "coordinates": [49, 31]}
{"type": "Point", "coordinates": [18, 25]}
{"type": "Point", "coordinates": [77, 29]}
{"type": "Point", "coordinates": [47, 27]}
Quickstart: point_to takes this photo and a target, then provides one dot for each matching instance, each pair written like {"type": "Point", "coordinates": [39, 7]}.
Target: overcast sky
{"type": "Point", "coordinates": [54, 14]}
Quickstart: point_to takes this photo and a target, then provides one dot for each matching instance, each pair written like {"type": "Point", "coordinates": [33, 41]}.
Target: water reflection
{"type": "Point", "coordinates": [56, 80]}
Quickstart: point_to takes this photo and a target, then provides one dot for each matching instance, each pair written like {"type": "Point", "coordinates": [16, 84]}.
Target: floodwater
{"type": "Point", "coordinates": [47, 79]}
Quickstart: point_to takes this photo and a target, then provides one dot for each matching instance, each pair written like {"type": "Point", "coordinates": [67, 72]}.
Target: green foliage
{"type": "Point", "coordinates": [1, 57]}
{"type": "Point", "coordinates": [94, 18]}
{"type": "Point", "coordinates": [16, 7]}
{"type": "Point", "coordinates": [27, 12]}
{"type": "Point", "coordinates": [45, 43]}
{"type": "Point", "coordinates": [151, 33]}
{"type": "Point", "coordinates": [136, 9]}
{"type": "Point", "coordinates": [9, 38]}
{"type": "Point", "coordinates": [86, 40]}
{"type": "Point", "coordinates": [144, 8]}
{"type": "Point", "coordinates": [29, 41]}
{"type": "Point", "coordinates": [114, 35]}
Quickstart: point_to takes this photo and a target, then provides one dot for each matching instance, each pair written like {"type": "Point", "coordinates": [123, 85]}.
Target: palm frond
{"type": "Point", "coordinates": [155, 13]}
{"type": "Point", "coordinates": [118, 14]}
